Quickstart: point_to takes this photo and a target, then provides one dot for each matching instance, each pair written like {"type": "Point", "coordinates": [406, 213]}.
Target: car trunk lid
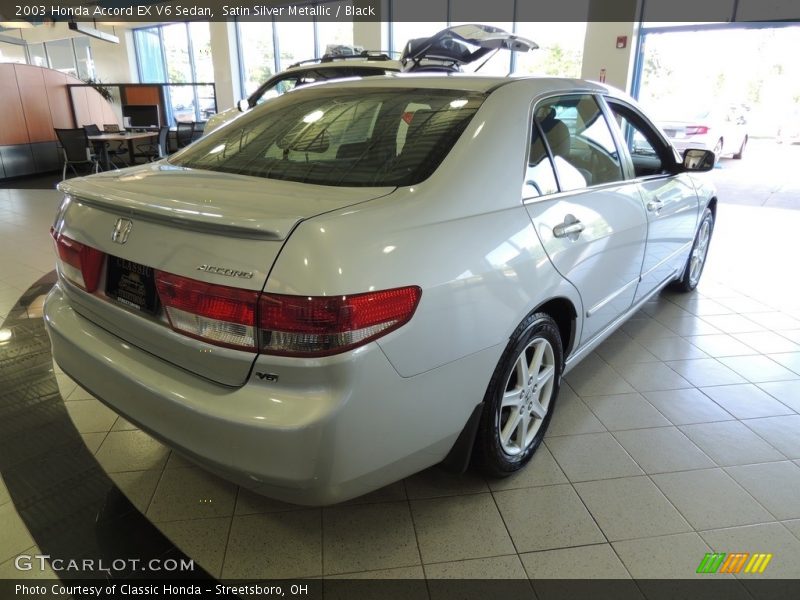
{"type": "Point", "coordinates": [223, 230]}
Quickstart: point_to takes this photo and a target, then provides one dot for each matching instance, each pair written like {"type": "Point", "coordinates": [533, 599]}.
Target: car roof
{"type": "Point", "coordinates": [472, 83]}
{"type": "Point", "coordinates": [343, 65]}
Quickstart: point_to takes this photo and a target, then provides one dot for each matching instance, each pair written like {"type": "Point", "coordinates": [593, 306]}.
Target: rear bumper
{"type": "Point", "coordinates": [328, 430]}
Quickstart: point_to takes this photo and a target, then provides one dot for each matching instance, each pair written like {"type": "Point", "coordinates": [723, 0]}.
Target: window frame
{"type": "Point", "coordinates": [535, 104]}
{"type": "Point", "coordinates": [168, 108]}
{"type": "Point", "coordinates": [534, 124]}
{"type": "Point", "coordinates": [668, 156]}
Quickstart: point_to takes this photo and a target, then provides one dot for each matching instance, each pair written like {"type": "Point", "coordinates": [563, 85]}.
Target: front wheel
{"type": "Point", "coordinates": [697, 258]}
{"type": "Point", "coordinates": [740, 153]}
{"type": "Point", "coordinates": [521, 396]}
{"type": "Point", "coordinates": [717, 151]}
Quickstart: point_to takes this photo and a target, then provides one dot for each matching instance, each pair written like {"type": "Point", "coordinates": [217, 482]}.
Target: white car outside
{"type": "Point", "coordinates": [359, 280]}
{"type": "Point", "coordinates": [722, 130]}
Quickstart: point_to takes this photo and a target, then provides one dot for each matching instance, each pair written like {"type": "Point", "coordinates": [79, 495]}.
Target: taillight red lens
{"type": "Point", "coordinates": [696, 130]}
{"type": "Point", "coordinates": [323, 325]}
{"type": "Point", "coordinates": [82, 262]}
{"type": "Point", "coordinates": [220, 314]}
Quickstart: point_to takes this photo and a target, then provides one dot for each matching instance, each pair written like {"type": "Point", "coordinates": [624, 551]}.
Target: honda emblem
{"type": "Point", "coordinates": [122, 229]}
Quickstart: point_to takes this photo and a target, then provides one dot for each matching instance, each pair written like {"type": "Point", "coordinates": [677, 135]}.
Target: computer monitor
{"type": "Point", "coordinates": [141, 115]}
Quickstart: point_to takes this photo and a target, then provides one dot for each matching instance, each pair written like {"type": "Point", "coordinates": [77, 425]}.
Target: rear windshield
{"type": "Point", "coordinates": [331, 136]}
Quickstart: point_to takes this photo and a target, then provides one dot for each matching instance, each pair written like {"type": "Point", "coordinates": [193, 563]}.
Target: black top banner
{"type": "Point", "coordinates": [483, 11]}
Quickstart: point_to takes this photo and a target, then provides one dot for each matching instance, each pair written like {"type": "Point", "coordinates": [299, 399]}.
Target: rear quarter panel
{"type": "Point", "coordinates": [462, 235]}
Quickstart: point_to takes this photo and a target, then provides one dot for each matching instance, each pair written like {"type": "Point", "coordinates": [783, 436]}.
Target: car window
{"type": "Point", "coordinates": [540, 179]}
{"type": "Point", "coordinates": [342, 137]}
{"type": "Point", "coordinates": [580, 141]}
{"type": "Point", "coordinates": [649, 154]}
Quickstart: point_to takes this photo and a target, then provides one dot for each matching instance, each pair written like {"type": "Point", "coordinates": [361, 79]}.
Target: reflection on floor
{"type": "Point", "coordinates": [676, 438]}
{"type": "Point", "coordinates": [57, 499]}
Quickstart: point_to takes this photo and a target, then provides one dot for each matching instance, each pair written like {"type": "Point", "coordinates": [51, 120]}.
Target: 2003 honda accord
{"type": "Point", "coordinates": [361, 279]}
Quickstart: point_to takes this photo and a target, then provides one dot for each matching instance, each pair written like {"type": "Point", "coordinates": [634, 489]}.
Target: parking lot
{"type": "Point", "coordinates": [767, 176]}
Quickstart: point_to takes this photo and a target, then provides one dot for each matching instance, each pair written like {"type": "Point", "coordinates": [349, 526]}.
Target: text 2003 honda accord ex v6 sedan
{"type": "Point", "coordinates": [361, 279]}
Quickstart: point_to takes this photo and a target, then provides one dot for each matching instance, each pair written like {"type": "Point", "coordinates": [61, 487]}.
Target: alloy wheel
{"type": "Point", "coordinates": [526, 400]}
{"type": "Point", "coordinates": [700, 252]}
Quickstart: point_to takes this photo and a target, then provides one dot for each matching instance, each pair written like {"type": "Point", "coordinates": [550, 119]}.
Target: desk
{"type": "Point", "coordinates": [122, 136]}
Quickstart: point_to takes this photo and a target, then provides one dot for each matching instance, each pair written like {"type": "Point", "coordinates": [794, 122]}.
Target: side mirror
{"type": "Point", "coordinates": [698, 160]}
{"type": "Point", "coordinates": [243, 105]}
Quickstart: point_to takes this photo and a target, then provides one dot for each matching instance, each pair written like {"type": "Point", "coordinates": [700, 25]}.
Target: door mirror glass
{"type": "Point", "coordinates": [698, 160]}
{"type": "Point", "coordinates": [243, 105]}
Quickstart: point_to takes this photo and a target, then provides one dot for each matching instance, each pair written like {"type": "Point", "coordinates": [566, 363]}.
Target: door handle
{"type": "Point", "coordinates": [571, 227]}
{"type": "Point", "coordinates": [655, 205]}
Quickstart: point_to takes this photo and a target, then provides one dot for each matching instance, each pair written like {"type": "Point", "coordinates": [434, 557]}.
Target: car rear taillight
{"type": "Point", "coordinates": [325, 325]}
{"type": "Point", "coordinates": [219, 314]}
{"type": "Point", "coordinates": [696, 130]}
{"type": "Point", "coordinates": [79, 263]}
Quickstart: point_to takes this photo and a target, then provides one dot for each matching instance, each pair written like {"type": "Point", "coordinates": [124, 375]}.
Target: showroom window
{"type": "Point", "coordinates": [11, 53]}
{"type": "Point", "coordinates": [335, 33]}
{"type": "Point", "coordinates": [37, 55]}
{"type": "Point", "coordinates": [266, 48]}
{"type": "Point", "coordinates": [180, 54]}
{"type": "Point", "coordinates": [72, 56]}
{"type": "Point", "coordinates": [256, 54]}
{"type": "Point", "coordinates": [560, 52]}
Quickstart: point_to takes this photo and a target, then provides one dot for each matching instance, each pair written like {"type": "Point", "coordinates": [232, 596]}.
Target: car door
{"type": "Point", "coordinates": [669, 199]}
{"type": "Point", "coordinates": [589, 220]}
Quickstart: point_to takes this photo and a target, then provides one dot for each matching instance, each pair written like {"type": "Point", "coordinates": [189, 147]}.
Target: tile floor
{"type": "Point", "coordinates": [678, 436]}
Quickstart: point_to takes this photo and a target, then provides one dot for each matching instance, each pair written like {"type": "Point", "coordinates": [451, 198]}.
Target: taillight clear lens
{"type": "Point", "coordinates": [79, 263]}
{"type": "Point", "coordinates": [220, 314]}
{"type": "Point", "coordinates": [323, 325]}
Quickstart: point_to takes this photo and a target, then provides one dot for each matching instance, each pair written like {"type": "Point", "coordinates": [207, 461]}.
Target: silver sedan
{"type": "Point", "coordinates": [358, 280]}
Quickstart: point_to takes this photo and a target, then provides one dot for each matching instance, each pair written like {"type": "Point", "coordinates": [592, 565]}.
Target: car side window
{"type": "Point", "coordinates": [649, 154]}
{"type": "Point", "coordinates": [580, 142]}
{"type": "Point", "coordinates": [540, 178]}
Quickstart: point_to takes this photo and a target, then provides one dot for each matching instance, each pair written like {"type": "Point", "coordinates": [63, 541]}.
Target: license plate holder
{"type": "Point", "coordinates": [131, 284]}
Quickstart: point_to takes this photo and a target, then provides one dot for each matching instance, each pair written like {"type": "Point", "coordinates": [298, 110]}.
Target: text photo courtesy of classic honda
{"type": "Point", "coordinates": [357, 280]}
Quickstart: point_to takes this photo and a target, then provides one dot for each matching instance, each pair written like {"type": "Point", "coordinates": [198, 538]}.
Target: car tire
{"type": "Point", "coordinates": [697, 257]}
{"type": "Point", "coordinates": [717, 151]}
{"type": "Point", "coordinates": [520, 397]}
{"type": "Point", "coordinates": [740, 153]}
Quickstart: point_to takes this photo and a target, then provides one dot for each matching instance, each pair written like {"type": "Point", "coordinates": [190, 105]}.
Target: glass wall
{"type": "Point", "coordinates": [560, 52]}
{"type": "Point", "coordinates": [61, 56]}
{"type": "Point", "coordinates": [11, 53]}
{"type": "Point", "coordinates": [266, 48]}
{"type": "Point", "coordinates": [72, 56]}
{"type": "Point", "coordinates": [295, 42]}
{"type": "Point", "coordinates": [256, 54]}
{"type": "Point", "coordinates": [83, 58]}
{"type": "Point", "coordinates": [149, 55]}
{"type": "Point", "coordinates": [335, 33]}
{"type": "Point", "coordinates": [37, 55]}
{"type": "Point", "coordinates": [179, 53]}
